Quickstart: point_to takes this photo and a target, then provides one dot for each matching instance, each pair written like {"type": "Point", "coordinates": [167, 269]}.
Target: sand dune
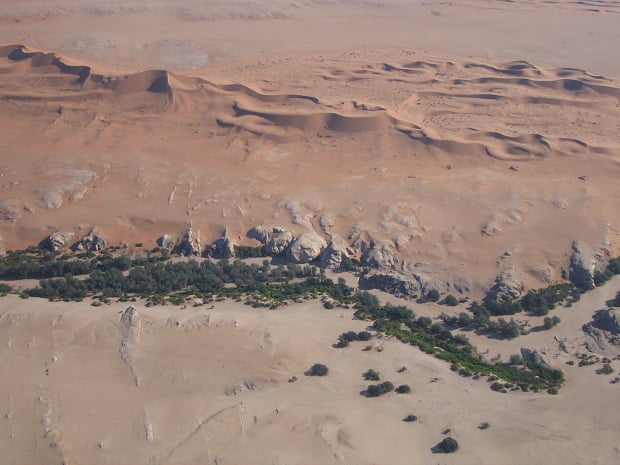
{"type": "Point", "coordinates": [440, 140]}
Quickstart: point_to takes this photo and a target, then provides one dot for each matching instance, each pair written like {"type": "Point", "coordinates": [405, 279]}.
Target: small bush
{"type": "Point", "coordinates": [403, 389]}
{"type": "Point", "coordinates": [449, 445]}
{"type": "Point", "coordinates": [318, 369]}
{"type": "Point", "coordinates": [451, 301]}
{"type": "Point", "coordinates": [552, 391]}
{"type": "Point", "coordinates": [432, 295]}
{"type": "Point", "coordinates": [484, 425]}
{"type": "Point", "coordinates": [364, 336]}
{"type": "Point", "coordinates": [376, 390]}
{"type": "Point", "coordinates": [372, 375]}
{"type": "Point", "coordinates": [410, 418]}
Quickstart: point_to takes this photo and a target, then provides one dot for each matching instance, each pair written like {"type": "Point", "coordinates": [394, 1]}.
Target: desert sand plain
{"type": "Point", "coordinates": [466, 137]}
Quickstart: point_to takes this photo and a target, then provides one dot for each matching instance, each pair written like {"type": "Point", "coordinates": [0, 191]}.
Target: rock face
{"type": "Point", "coordinates": [93, 241]}
{"type": "Point", "coordinates": [417, 281]}
{"type": "Point", "coordinates": [2, 248]}
{"type": "Point", "coordinates": [508, 286]}
{"type": "Point", "coordinates": [189, 246]}
{"type": "Point", "coordinates": [166, 241]}
{"type": "Point", "coordinates": [223, 247]}
{"type": "Point", "coordinates": [603, 332]}
{"type": "Point", "coordinates": [9, 211]}
{"type": "Point", "coordinates": [379, 255]}
{"type": "Point", "coordinates": [57, 241]}
{"type": "Point", "coordinates": [535, 357]}
{"type": "Point", "coordinates": [582, 266]}
{"type": "Point", "coordinates": [394, 282]}
{"type": "Point", "coordinates": [306, 248]}
{"type": "Point", "coordinates": [276, 240]}
{"type": "Point", "coordinates": [334, 254]}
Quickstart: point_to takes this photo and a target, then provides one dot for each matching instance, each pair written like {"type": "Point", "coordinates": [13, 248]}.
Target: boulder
{"type": "Point", "coordinates": [93, 241]}
{"type": "Point", "coordinates": [166, 241]}
{"type": "Point", "coordinates": [262, 234]}
{"type": "Point", "coordinates": [306, 248]}
{"type": "Point", "coordinates": [603, 332]}
{"type": "Point", "coordinates": [394, 282]}
{"type": "Point", "coordinates": [582, 266]}
{"type": "Point", "coordinates": [276, 240]}
{"type": "Point", "coordinates": [334, 254]}
{"type": "Point", "coordinates": [379, 255]}
{"type": "Point", "coordinates": [508, 286]}
{"type": "Point", "coordinates": [279, 243]}
{"type": "Point", "coordinates": [189, 246]}
{"type": "Point", "coordinates": [57, 241]}
{"type": "Point", "coordinates": [223, 247]}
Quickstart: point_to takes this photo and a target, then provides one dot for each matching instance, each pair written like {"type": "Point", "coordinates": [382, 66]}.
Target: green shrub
{"type": "Point", "coordinates": [448, 445]}
{"type": "Point", "coordinates": [403, 389]}
{"type": "Point", "coordinates": [410, 418]}
{"type": "Point", "coordinates": [376, 390]}
{"type": "Point", "coordinates": [432, 295]}
{"type": "Point", "coordinates": [318, 369]}
{"type": "Point", "coordinates": [372, 375]}
{"type": "Point", "coordinates": [451, 301]}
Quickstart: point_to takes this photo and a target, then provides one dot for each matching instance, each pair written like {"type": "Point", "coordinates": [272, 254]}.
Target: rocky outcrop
{"type": "Point", "coordinates": [603, 332]}
{"type": "Point", "coordinates": [2, 248]}
{"type": "Point", "coordinates": [276, 240]}
{"type": "Point", "coordinates": [582, 266]}
{"type": "Point", "coordinates": [9, 211]}
{"type": "Point", "coordinates": [189, 245]}
{"type": "Point", "coordinates": [416, 281]}
{"type": "Point", "coordinates": [223, 247]}
{"type": "Point", "coordinates": [534, 357]}
{"type": "Point", "coordinates": [508, 286]}
{"type": "Point", "coordinates": [306, 248]}
{"type": "Point", "coordinates": [93, 241]}
{"type": "Point", "coordinates": [334, 254]}
{"type": "Point", "coordinates": [394, 282]}
{"type": "Point", "coordinates": [379, 255]}
{"type": "Point", "coordinates": [57, 241]}
{"type": "Point", "coordinates": [166, 241]}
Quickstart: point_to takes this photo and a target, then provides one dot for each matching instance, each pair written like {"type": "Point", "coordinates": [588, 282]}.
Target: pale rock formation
{"type": "Point", "coordinates": [93, 241]}
{"type": "Point", "coordinates": [582, 266]}
{"type": "Point", "coordinates": [334, 254]}
{"type": "Point", "coordinates": [379, 255]}
{"type": "Point", "coordinates": [306, 248]}
{"type": "Point", "coordinates": [189, 245]}
{"type": "Point", "coordinates": [166, 241]}
{"type": "Point", "coordinates": [508, 286]}
{"type": "Point", "coordinates": [223, 247]}
{"type": "Point", "coordinates": [58, 241]}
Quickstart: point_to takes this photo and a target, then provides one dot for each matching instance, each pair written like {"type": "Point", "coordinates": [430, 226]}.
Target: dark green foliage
{"type": "Point", "coordinates": [376, 390]}
{"type": "Point", "coordinates": [448, 445]}
{"type": "Point", "coordinates": [432, 295]}
{"type": "Point", "coordinates": [244, 251]}
{"type": "Point", "coordinates": [484, 425]}
{"type": "Point", "coordinates": [410, 418]}
{"type": "Point", "coordinates": [364, 336]}
{"type": "Point", "coordinates": [403, 389]}
{"type": "Point", "coordinates": [372, 375]}
{"type": "Point", "coordinates": [350, 264]}
{"type": "Point", "coordinates": [613, 268]}
{"type": "Point", "coordinates": [607, 369]}
{"type": "Point", "coordinates": [318, 369]}
{"type": "Point", "coordinates": [451, 300]}
{"type": "Point", "coordinates": [5, 288]}
{"type": "Point", "coordinates": [552, 391]}
{"type": "Point", "coordinates": [516, 359]}
{"type": "Point", "coordinates": [550, 322]}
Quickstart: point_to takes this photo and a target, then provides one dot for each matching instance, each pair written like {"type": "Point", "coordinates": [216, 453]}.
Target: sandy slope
{"type": "Point", "coordinates": [209, 385]}
{"type": "Point", "coordinates": [452, 161]}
